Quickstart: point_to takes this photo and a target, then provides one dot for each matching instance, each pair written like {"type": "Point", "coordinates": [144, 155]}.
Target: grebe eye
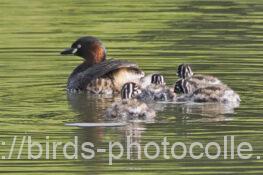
{"type": "Point", "coordinates": [79, 46]}
{"type": "Point", "coordinates": [177, 89]}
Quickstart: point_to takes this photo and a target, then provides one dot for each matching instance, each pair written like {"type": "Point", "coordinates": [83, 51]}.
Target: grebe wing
{"type": "Point", "coordinates": [82, 79]}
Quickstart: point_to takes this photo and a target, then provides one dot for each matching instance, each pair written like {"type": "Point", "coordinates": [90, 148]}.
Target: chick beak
{"type": "Point", "coordinates": [69, 51]}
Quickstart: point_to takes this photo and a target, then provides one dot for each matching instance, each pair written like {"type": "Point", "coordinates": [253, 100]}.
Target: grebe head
{"type": "Point", "coordinates": [89, 48]}
{"type": "Point", "coordinates": [184, 71]}
{"type": "Point", "coordinates": [157, 79]}
{"type": "Point", "coordinates": [129, 90]}
{"type": "Point", "coordinates": [182, 86]}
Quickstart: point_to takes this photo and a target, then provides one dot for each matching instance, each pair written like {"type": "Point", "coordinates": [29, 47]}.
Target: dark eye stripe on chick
{"type": "Point", "coordinates": [157, 79]}
{"type": "Point", "coordinates": [184, 71]}
{"type": "Point", "coordinates": [182, 86]}
{"type": "Point", "coordinates": [128, 90]}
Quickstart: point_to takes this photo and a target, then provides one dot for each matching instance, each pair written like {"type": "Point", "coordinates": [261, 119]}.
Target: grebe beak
{"type": "Point", "coordinates": [69, 51]}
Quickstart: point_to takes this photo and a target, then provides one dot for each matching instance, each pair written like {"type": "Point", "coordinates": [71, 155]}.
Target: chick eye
{"type": "Point", "coordinates": [177, 89]}
{"type": "Point", "coordinates": [79, 46]}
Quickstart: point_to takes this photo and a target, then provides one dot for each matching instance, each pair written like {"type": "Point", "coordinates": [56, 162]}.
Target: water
{"type": "Point", "coordinates": [221, 38]}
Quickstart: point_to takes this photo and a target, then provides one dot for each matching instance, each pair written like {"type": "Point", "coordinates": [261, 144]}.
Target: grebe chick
{"type": "Point", "coordinates": [96, 74]}
{"type": "Point", "coordinates": [184, 71]}
{"type": "Point", "coordinates": [212, 93]}
{"type": "Point", "coordinates": [130, 108]}
{"type": "Point", "coordinates": [186, 86]}
{"type": "Point", "coordinates": [157, 90]}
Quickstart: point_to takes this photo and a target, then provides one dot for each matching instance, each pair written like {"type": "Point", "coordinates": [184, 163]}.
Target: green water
{"type": "Point", "coordinates": [221, 38]}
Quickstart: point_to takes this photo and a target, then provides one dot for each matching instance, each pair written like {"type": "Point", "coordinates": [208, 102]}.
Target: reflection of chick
{"type": "Point", "coordinates": [130, 108]}
{"type": "Point", "coordinates": [208, 109]}
{"type": "Point", "coordinates": [184, 71]}
{"type": "Point", "coordinates": [212, 93]}
{"type": "Point", "coordinates": [157, 90]}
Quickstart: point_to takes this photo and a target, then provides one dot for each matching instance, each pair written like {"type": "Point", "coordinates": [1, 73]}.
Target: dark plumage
{"type": "Point", "coordinates": [186, 86]}
{"type": "Point", "coordinates": [157, 90]}
{"type": "Point", "coordinates": [211, 93]}
{"type": "Point", "coordinates": [157, 79]}
{"type": "Point", "coordinates": [96, 68]}
{"type": "Point", "coordinates": [129, 90]}
{"type": "Point", "coordinates": [129, 108]}
{"type": "Point", "coordinates": [184, 71]}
